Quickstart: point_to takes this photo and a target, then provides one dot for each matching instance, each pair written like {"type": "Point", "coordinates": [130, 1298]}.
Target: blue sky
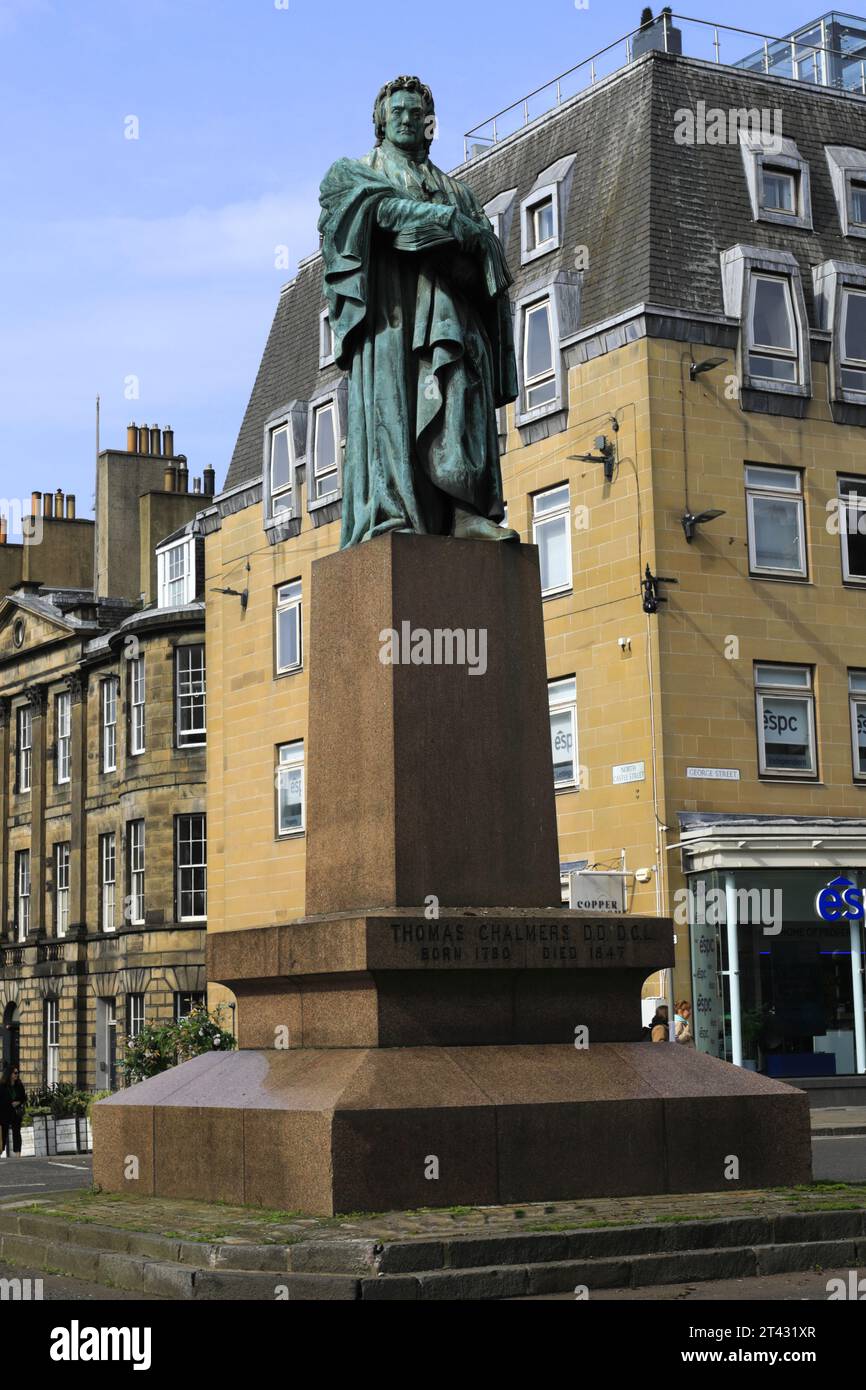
{"type": "Point", "coordinates": [154, 257]}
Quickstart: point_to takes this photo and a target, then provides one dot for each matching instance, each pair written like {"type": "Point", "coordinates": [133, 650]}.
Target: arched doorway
{"type": "Point", "coordinates": [11, 1036]}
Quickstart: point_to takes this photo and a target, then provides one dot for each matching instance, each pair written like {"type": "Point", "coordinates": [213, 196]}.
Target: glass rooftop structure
{"type": "Point", "coordinates": [830, 51]}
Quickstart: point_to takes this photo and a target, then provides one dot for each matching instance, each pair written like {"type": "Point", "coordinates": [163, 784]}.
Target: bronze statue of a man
{"type": "Point", "coordinates": [416, 285]}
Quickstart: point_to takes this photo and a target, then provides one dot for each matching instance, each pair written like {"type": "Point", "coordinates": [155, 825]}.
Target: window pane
{"type": "Point", "coordinates": [852, 523]}
{"type": "Point", "coordinates": [777, 533]}
{"type": "Point", "coordinates": [858, 201]}
{"type": "Point", "coordinates": [550, 501]}
{"type": "Point", "coordinates": [280, 470]}
{"type": "Point", "coordinates": [562, 745]}
{"type": "Point", "coordinates": [290, 788]}
{"type": "Point", "coordinates": [772, 324]}
{"type": "Point", "coordinates": [288, 653]}
{"type": "Point", "coordinates": [772, 477]}
{"type": "Point", "coordinates": [855, 326]}
{"type": "Point", "coordinates": [325, 452]}
{"type": "Point", "coordinates": [857, 682]}
{"type": "Point", "coordinates": [539, 353]}
{"type": "Point", "coordinates": [787, 743]}
{"type": "Point", "coordinates": [858, 728]}
{"type": "Point", "coordinates": [778, 192]}
{"type": "Point", "coordinates": [774, 368]}
{"type": "Point", "coordinates": [542, 221]}
{"type": "Point", "coordinates": [783, 675]}
{"type": "Point", "coordinates": [551, 537]}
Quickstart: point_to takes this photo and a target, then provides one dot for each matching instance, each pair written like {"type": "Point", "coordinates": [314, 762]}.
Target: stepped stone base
{"type": "Point", "coordinates": [352, 1129]}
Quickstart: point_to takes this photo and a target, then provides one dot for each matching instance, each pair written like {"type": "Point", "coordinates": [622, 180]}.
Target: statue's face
{"type": "Point", "coordinates": [404, 125]}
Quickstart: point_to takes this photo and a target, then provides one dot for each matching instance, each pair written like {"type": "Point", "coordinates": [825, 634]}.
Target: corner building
{"type": "Point", "coordinates": [690, 321]}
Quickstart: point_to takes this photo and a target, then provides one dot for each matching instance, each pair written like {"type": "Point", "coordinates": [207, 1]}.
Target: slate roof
{"type": "Point", "coordinates": [654, 215]}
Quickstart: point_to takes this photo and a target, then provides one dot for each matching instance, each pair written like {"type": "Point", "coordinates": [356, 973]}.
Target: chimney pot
{"type": "Point", "coordinates": [154, 439]}
{"type": "Point", "coordinates": [35, 499]}
{"type": "Point", "coordinates": [143, 439]}
{"type": "Point", "coordinates": [208, 481]}
{"type": "Point", "coordinates": [2, 530]}
{"type": "Point", "coordinates": [168, 441]}
{"type": "Point", "coordinates": [70, 507]}
{"type": "Point", "coordinates": [168, 478]}
{"type": "Point", "coordinates": [131, 438]}
{"type": "Point", "coordinates": [58, 502]}
{"type": "Point", "coordinates": [48, 505]}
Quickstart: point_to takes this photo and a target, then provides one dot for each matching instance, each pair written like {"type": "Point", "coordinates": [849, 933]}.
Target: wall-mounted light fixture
{"type": "Point", "coordinates": [690, 520]}
{"type": "Point", "coordinates": [606, 456]}
{"type": "Point", "coordinates": [709, 364]}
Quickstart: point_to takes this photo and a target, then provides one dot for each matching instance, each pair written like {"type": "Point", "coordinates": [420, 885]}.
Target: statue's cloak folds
{"type": "Point", "coordinates": [425, 332]}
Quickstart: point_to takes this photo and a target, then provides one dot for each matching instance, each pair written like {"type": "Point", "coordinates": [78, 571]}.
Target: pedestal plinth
{"type": "Point", "coordinates": [435, 1031]}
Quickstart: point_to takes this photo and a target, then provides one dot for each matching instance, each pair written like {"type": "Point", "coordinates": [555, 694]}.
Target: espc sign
{"type": "Point", "coordinates": [841, 900]}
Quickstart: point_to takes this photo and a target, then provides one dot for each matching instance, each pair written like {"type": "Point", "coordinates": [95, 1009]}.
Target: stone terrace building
{"type": "Point", "coordinates": [103, 843]}
{"type": "Point", "coordinates": [690, 320]}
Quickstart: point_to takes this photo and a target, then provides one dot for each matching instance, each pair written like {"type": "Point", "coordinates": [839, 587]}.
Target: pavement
{"type": "Point", "coordinates": [832, 1121]}
{"type": "Point", "coordinates": [38, 1177]}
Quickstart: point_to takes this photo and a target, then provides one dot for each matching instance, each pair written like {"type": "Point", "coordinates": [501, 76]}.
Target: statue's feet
{"type": "Point", "coordinates": [469, 526]}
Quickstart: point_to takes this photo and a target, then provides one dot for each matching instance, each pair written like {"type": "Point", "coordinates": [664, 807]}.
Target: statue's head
{"type": "Point", "coordinates": [404, 114]}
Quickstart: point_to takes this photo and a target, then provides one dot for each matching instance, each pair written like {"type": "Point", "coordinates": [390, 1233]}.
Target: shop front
{"type": "Point", "coordinates": [776, 934]}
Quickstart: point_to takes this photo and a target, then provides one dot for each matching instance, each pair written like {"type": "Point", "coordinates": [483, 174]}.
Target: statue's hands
{"type": "Point", "coordinates": [469, 234]}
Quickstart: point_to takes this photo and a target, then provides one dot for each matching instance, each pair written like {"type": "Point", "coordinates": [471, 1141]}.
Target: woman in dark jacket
{"type": "Point", "coordinates": [13, 1099]}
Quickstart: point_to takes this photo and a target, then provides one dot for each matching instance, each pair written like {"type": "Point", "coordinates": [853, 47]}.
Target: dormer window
{"type": "Point", "coordinates": [281, 470]}
{"type": "Point", "coordinates": [542, 211]}
{"type": "Point", "coordinates": [857, 202]}
{"type": "Point", "coordinates": [541, 228]}
{"type": "Point", "coordinates": [176, 573]}
{"type": "Point", "coordinates": [778, 190]}
{"type": "Point", "coordinates": [853, 346]}
{"type": "Point", "coordinates": [840, 309]}
{"type": "Point", "coordinates": [326, 340]}
{"type": "Point", "coordinates": [848, 176]}
{"type": "Point", "coordinates": [777, 178]}
{"type": "Point", "coordinates": [773, 329]}
{"type": "Point", "coordinates": [539, 376]}
{"type": "Point", "coordinates": [326, 472]}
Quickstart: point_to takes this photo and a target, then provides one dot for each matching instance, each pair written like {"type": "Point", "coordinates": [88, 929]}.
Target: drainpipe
{"type": "Point", "coordinates": [733, 971]}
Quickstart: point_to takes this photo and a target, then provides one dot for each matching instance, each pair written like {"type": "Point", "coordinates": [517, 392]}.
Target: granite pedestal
{"type": "Point", "coordinates": [435, 1030]}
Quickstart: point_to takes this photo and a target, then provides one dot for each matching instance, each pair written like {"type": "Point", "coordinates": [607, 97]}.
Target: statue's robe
{"type": "Point", "coordinates": [424, 330]}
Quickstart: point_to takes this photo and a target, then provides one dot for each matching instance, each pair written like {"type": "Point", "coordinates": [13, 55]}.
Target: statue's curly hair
{"type": "Point", "coordinates": [401, 84]}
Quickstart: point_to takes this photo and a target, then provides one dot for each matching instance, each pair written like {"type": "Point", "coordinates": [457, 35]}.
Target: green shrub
{"type": "Point", "coordinates": [160, 1046]}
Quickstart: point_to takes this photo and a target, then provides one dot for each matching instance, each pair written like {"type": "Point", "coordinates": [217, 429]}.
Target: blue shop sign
{"type": "Point", "coordinates": [841, 900]}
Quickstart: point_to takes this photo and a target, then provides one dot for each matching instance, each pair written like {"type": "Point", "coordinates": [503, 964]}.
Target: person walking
{"type": "Point", "coordinates": [13, 1099]}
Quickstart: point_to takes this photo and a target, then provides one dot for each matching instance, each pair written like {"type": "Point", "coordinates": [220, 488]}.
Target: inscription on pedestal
{"type": "Point", "coordinates": [467, 943]}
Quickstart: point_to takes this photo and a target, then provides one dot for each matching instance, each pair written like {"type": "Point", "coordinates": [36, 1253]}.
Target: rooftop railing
{"type": "Point", "coordinates": [781, 57]}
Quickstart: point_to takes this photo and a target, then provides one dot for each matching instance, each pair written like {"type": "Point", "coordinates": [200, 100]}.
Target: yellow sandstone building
{"type": "Point", "coordinates": [688, 452]}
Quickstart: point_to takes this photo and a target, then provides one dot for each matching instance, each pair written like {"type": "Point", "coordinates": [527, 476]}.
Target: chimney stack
{"type": "Point", "coordinates": [143, 439]}
{"type": "Point", "coordinates": [209, 481]}
{"type": "Point", "coordinates": [154, 439]}
{"type": "Point", "coordinates": [48, 505]}
{"type": "Point", "coordinates": [168, 442]}
{"type": "Point", "coordinates": [70, 507]}
{"type": "Point", "coordinates": [131, 438]}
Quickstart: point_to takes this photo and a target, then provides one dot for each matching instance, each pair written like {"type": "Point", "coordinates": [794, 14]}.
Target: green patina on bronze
{"type": "Point", "coordinates": [416, 284]}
